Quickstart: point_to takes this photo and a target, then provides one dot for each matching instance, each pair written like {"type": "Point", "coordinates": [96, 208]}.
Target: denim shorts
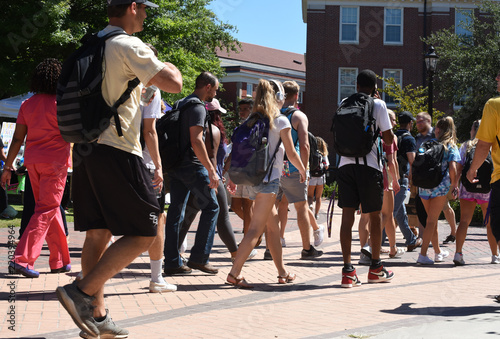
{"type": "Point", "coordinates": [265, 187]}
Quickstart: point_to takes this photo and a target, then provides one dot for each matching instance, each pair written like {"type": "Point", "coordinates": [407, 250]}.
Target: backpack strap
{"type": "Point", "coordinates": [271, 163]}
{"type": "Point", "coordinates": [132, 84]}
{"type": "Point", "coordinates": [124, 97]}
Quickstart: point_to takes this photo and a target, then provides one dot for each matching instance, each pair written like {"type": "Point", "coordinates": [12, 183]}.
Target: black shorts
{"type": "Point", "coordinates": [112, 190]}
{"type": "Point", "coordinates": [495, 209]}
{"type": "Point", "coordinates": [359, 184]}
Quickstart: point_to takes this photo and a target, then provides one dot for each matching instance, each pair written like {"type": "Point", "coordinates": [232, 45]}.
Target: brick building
{"type": "Point", "coordinates": [346, 36]}
{"type": "Point", "coordinates": [253, 62]}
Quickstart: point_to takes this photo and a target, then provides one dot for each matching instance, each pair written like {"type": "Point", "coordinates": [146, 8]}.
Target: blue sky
{"type": "Point", "coordinates": [263, 22]}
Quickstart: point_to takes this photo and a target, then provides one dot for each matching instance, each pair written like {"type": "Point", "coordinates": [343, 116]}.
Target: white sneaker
{"type": "Point", "coordinates": [319, 235]}
{"type": "Point", "coordinates": [367, 250]}
{"type": "Point", "coordinates": [439, 257]}
{"type": "Point", "coordinates": [283, 242]}
{"type": "Point", "coordinates": [458, 259]}
{"type": "Point", "coordinates": [364, 260]}
{"type": "Point", "coordinates": [252, 254]}
{"type": "Point", "coordinates": [161, 287]}
{"type": "Point", "coordinates": [424, 260]}
{"type": "Point", "coordinates": [495, 259]}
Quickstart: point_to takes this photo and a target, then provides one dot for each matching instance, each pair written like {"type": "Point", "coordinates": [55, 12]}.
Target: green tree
{"type": "Point", "coordinates": [185, 32]}
{"type": "Point", "coordinates": [468, 64]}
{"type": "Point", "coordinates": [409, 98]}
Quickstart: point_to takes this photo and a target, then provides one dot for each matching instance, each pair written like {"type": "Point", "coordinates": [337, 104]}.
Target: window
{"type": "Point", "coordinates": [349, 25]}
{"type": "Point", "coordinates": [462, 18]}
{"type": "Point", "coordinates": [347, 82]}
{"type": "Point", "coordinates": [393, 26]}
{"type": "Point", "coordinates": [249, 89]}
{"type": "Point", "coordinates": [397, 75]}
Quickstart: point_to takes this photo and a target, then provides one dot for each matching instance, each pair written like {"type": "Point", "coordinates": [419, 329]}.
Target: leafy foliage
{"type": "Point", "coordinates": [411, 99]}
{"type": "Point", "coordinates": [185, 32]}
{"type": "Point", "coordinates": [468, 65]}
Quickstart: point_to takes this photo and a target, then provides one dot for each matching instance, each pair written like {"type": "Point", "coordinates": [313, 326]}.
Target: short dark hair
{"type": "Point", "coordinates": [246, 101]}
{"type": "Point", "coordinates": [367, 79]}
{"type": "Point", "coordinates": [45, 77]}
{"type": "Point", "coordinates": [117, 11]}
{"type": "Point", "coordinates": [205, 78]}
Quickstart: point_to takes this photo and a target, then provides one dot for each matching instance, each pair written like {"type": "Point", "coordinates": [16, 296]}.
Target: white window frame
{"type": "Point", "coordinates": [392, 104]}
{"type": "Point", "coordinates": [340, 85]}
{"type": "Point", "coordinates": [249, 89]}
{"type": "Point", "coordinates": [341, 25]}
{"type": "Point", "coordinates": [457, 24]}
{"type": "Point", "coordinates": [397, 43]}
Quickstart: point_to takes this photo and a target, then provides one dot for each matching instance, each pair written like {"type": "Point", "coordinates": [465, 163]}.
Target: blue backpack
{"type": "Point", "coordinates": [251, 159]}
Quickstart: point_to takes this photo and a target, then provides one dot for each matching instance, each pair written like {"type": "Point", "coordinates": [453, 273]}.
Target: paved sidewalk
{"type": "Point", "coordinates": [441, 301]}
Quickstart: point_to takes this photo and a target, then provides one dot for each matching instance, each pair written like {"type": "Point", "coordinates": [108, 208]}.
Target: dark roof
{"type": "Point", "coordinates": [266, 56]}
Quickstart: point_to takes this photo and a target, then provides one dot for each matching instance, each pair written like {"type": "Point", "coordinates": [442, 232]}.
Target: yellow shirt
{"type": "Point", "coordinates": [126, 57]}
{"type": "Point", "coordinates": [488, 132]}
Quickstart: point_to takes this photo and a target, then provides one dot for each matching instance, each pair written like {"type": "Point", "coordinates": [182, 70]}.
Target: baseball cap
{"type": "Point", "coordinates": [214, 105]}
{"type": "Point", "coordinates": [405, 117]}
{"type": "Point", "coordinates": [128, 2]}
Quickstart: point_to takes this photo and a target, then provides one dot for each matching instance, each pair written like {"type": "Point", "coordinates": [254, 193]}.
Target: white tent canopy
{"type": "Point", "coordinates": [10, 107]}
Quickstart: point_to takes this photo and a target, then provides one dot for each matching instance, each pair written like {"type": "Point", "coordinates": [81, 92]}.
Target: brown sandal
{"type": "Point", "coordinates": [286, 279]}
{"type": "Point", "coordinates": [238, 283]}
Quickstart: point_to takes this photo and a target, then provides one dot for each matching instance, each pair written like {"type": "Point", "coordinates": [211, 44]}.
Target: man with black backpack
{"type": "Point", "coordinates": [406, 155]}
{"type": "Point", "coordinates": [290, 185]}
{"type": "Point", "coordinates": [112, 189]}
{"type": "Point", "coordinates": [195, 174]}
{"type": "Point", "coordinates": [356, 128]}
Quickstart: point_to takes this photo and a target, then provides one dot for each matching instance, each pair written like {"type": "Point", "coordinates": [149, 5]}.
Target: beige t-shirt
{"type": "Point", "coordinates": [126, 57]}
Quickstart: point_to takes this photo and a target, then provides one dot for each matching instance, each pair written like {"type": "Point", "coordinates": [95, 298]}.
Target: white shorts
{"type": "Point", "coordinates": [242, 191]}
{"type": "Point", "coordinates": [317, 181]}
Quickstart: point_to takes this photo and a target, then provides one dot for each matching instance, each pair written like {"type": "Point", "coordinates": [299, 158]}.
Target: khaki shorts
{"type": "Point", "coordinates": [294, 190]}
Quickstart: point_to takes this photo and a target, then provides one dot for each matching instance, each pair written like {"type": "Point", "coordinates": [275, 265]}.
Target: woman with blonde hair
{"type": "Point", "coordinates": [317, 179]}
{"type": "Point", "coordinates": [434, 199]}
{"type": "Point", "coordinates": [468, 202]}
{"type": "Point", "coordinates": [269, 99]}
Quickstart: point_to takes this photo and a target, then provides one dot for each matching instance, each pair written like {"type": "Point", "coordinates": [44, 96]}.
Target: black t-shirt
{"type": "Point", "coordinates": [407, 144]}
{"type": "Point", "coordinates": [195, 115]}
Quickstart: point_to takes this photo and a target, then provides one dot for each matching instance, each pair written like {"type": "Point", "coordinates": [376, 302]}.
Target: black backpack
{"type": "Point", "coordinates": [315, 157]}
{"type": "Point", "coordinates": [353, 127]}
{"type": "Point", "coordinates": [168, 128]}
{"type": "Point", "coordinates": [402, 159]}
{"type": "Point", "coordinates": [483, 174]}
{"type": "Point", "coordinates": [427, 171]}
{"type": "Point", "coordinates": [82, 113]}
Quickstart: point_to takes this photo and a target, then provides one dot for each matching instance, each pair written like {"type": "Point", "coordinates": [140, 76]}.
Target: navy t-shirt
{"type": "Point", "coordinates": [196, 115]}
{"type": "Point", "coordinates": [407, 144]}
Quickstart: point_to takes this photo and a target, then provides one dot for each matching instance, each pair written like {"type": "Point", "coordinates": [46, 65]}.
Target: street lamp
{"type": "Point", "coordinates": [431, 61]}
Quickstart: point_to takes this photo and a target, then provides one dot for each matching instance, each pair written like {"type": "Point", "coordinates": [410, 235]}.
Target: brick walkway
{"type": "Point", "coordinates": [441, 301]}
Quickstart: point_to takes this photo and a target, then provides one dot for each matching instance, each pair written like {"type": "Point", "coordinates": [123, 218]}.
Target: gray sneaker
{"type": "Point", "coordinates": [311, 254]}
{"type": "Point", "coordinates": [79, 306]}
{"type": "Point", "coordinates": [107, 330]}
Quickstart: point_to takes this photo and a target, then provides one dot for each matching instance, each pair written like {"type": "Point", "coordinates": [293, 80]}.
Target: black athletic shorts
{"type": "Point", "coordinates": [112, 189]}
{"type": "Point", "coordinates": [359, 184]}
{"type": "Point", "coordinates": [495, 209]}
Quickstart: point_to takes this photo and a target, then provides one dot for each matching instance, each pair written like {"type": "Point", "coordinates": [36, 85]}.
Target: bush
{"type": "Point", "coordinates": [328, 189]}
{"type": "Point", "coordinates": [477, 217]}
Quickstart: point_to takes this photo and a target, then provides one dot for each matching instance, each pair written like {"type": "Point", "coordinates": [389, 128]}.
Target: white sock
{"type": "Point", "coordinates": [156, 268]}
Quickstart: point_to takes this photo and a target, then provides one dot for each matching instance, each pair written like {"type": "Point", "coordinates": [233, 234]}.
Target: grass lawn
{"type": "Point", "coordinates": [15, 200]}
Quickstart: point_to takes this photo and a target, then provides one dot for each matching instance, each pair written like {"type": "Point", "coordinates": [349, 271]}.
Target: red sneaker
{"type": "Point", "coordinates": [350, 279]}
{"type": "Point", "coordinates": [379, 274]}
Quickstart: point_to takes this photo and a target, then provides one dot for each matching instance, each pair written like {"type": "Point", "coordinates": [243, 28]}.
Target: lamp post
{"type": "Point", "coordinates": [431, 61]}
